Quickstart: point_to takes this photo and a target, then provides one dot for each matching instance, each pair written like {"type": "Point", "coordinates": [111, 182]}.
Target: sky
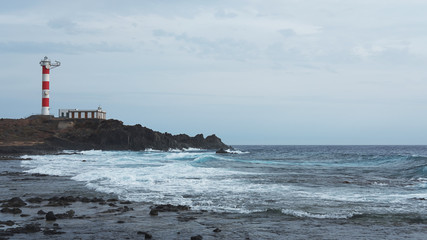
{"type": "Point", "coordinates": [250, 71]}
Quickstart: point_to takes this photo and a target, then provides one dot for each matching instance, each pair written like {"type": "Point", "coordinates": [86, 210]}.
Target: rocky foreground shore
{"type": "Point", "coordinates": [45, 134]}
{"type": "Point", "coordinates": [38, 206]}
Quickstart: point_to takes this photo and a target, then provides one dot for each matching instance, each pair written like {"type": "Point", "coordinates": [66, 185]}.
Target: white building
{"type": "Point", "coordinates": [83, 114]}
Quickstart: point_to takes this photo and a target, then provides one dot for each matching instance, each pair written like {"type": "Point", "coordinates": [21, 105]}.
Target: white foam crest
{"type": "Point", "coordinates": [182, 155]}
{"type": "Point", "coordinates": [151, 150]}
{"type": "Point", "coordinates": [236, 151]}
{"type": "Point", "coordinates": [193, 149]}
{"type": "Point", "coordinates": [174, 150]}
{"type": "Point", "coordinates": [304, 214]}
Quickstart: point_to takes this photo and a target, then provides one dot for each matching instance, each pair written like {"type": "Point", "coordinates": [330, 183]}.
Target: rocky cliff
{"type": "Point", "coordinates": [38, 134]}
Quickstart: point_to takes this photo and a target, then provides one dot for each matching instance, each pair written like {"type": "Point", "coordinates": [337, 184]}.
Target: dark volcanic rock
{"type": "Point", "coordinates": [11, 210]}
{"type": "Point", "coordinates": [41, 212]}
{"type": "Point", "coordinates": [52, 232]}
{"type": "Point", "coordinates": [146, 234]}
{"type": "Point", "coordinates": [68, 214]}
{"type": "Point", "coordinates": [170, 208]}
{"type": "Point", "coordinates": [197, 237]}
{"type": "Point", "coordinates": [221, 150]}
{"type": "Point", "coordinates": [14, 202]}
{"type": "Point", "coordinates": [154, 212]}
{"type": "Point", "coordinates": [7, 223]}
{"type": "Point", "coordinates": [35, 200]}
{"type": "Point", "coordinates": [50, 216]}
{"type": "Point", "coordinates": [38, 134]}
{"type": "Point", "coordinates": [29, 228]}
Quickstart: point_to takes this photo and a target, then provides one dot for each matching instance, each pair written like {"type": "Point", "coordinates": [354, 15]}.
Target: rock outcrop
{"type": "Point", "coordinates": [38, 134]}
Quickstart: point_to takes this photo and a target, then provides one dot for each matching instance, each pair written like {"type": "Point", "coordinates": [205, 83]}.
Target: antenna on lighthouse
{"type": "Point", "coordinates": [46, 66]}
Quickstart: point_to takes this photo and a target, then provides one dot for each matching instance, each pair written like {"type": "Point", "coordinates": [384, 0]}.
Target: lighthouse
{"type": "Point", "coordinates": [46, 66]}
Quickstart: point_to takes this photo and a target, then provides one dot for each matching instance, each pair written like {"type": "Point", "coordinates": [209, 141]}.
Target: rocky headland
{"type": "Point", "coordinates": [45, 134]}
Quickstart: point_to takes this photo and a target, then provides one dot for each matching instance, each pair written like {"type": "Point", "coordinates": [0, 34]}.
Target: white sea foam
{"type": "Point", "coordinates": [303, 214]}
{"type": "Point", "coordinates": [236, 151]}
{"type": "Point", "coordinates": [204, 180]}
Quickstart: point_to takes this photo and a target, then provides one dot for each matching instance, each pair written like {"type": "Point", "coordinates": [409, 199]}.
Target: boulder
{"type": "Point", "coordinates": [11, 210]}
{"type": "Point", "coordinates": [146, 234]}
{"type": "Point", "coordinates": [221, 151]}
{"type": "Point", "coordinates": [14, 202]}
{"type": "Point", "coordinates": [170, 208]}
{"type": "Point", "coordinates": [50, 216]}
{"type": "Point", "coordinates": [154, 212]}
{"type": "Point", "coordinates": [197, 237]}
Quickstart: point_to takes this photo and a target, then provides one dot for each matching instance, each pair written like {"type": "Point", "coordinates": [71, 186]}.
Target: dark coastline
{"type": "Point", "coordinates": [47, 135]}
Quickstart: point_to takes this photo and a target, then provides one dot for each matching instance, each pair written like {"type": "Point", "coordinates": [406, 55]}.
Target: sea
{"type": "Point", "coordinates": [383, 186]}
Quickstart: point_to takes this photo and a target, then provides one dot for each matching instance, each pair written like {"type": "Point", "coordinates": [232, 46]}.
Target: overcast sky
{"type": "Point", "coordinates": [250, 71]}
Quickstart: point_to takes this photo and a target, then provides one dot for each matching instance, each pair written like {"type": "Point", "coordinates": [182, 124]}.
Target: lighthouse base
{"type": "Point", "coordinates": [45, 111]}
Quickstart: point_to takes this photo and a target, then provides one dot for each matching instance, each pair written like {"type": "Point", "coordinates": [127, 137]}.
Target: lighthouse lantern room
{"type": "Point", "coordinates": [46, 66]}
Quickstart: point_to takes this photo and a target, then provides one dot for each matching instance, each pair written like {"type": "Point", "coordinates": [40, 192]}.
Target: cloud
{"type": "Point", "coordinates": [287, 32]}
{"type": "Point", "coordinates": [225, 14]}
{"type": "Point", "coordinates": [223, 48]}
{"type": "Point", "coordinates": [67, 25]}
{"type": "Point", "coordinates": [54, 47]}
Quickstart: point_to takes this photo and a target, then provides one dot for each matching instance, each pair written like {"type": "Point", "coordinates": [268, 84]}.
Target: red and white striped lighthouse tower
{"type": "Point", "coordinates": [46, 66]}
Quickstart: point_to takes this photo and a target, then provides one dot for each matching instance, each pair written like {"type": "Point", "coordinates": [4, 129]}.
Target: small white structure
{"type": "Point", "coordinates": [83, 114]}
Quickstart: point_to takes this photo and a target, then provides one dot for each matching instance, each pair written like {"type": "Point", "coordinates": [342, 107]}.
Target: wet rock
{"type": "Point", "coordinates": [15, 202]}
{"type": "Point", "coordinates": [170, 208]}
{"type": "Point", "coordinates": [29, 228]}
{"type": "Point", "coordinates": [59, 202]}
{"type": "Point", "coordinates": [112, 205]}
{"type": "Point", "coordinates": [7, 223]}
{"type": "Point", "coordinates": [50, 216]}
{"type": "Point", "coordinates": [52, 232]}
{"type": "Point", "coordinates": [221, 151]}
{"type": "Point", "coordinates": [69, 199]}
{"type": "Point", "coordinates": [39, 174]}
{"type": "Point", "coordinates": [197, 237]}
{"type": "Point", "coordinates": [112, 200]}
{"type": "Point", "coordinates": [125, 202]}
{"type": "Point", "coordinates": [146, 234]}
{"type": "Point", "coordinates": [120, 221]}
{"type": "Point", "coordinates": [11, 210]}
{"type": "Point", "coordinates": [35, 200]}
{"type": "Point", "coordinates": [126, 209]}
{"type": "Point", "coordinates": [85, 200]}
{"type": "Point", "coordinates": [217, 230]}
{"type": "Point", "coordinates": [24, 215]}
{"type": "Point", "coordinates": [68, 214]}
{"type": "Point", "coordinates": [41, 212]}
{"type": "Point", "coordinates": [154, 212]}
{"type": "Point", "coordinates": [95, 199]}
{"type": "Point", "coordinates": [185, 219]}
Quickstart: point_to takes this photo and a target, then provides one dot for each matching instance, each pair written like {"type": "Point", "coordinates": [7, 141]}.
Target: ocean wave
{"type": "Point", "coordinates": [151, 150]}
{"type": "Point", "coordinates": [304, 214]}
{"type": "Point", "coordinates": [236, 151]}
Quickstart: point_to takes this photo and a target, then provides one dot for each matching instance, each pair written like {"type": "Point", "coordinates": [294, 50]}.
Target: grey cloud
{"type": "Point", "coordinates": [51, 47]}
{"type": "Point", "coordinates": [225, 48]}
{"type": "Point", "coordinates": [68, 26]}
{"type": "Point", "coordinates": [287, 32]}
{"type": "Point", "coordinates": [225, 14]}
